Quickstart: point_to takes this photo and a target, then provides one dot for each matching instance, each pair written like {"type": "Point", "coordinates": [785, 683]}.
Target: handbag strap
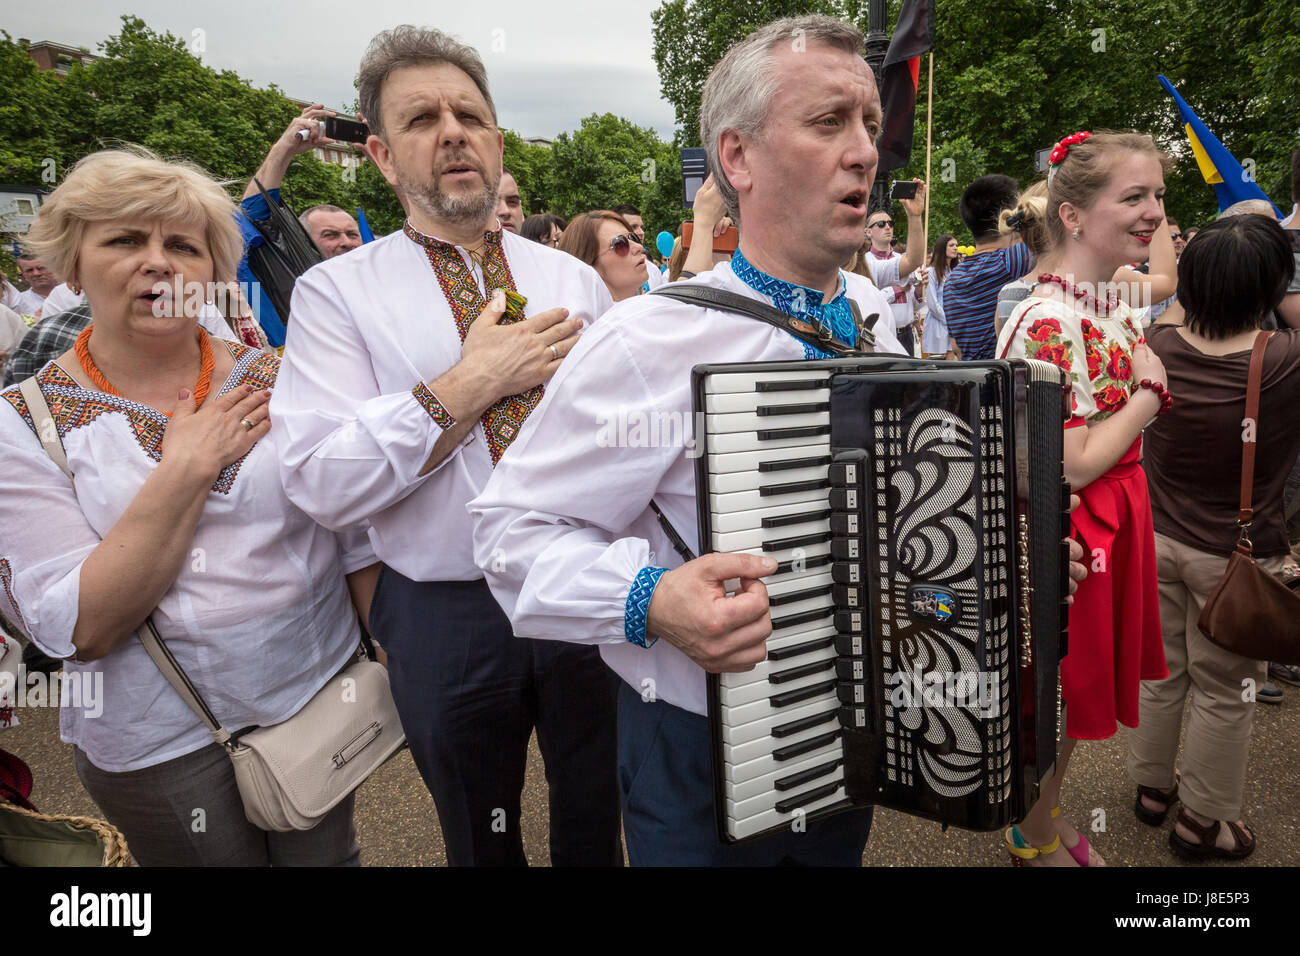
{"type": "Point", "coordinates": [1250, 427]}
{"type": "Point", "coordinates": [807, 332]}
{"type": "Point", "coordinates": [46, 430]}
{"type": "Point", "coordinates": [48, 433]}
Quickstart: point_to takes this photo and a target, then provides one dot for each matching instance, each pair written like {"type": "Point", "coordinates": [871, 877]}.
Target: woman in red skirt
{"type": "Point", "coordinates": [1105, 209]}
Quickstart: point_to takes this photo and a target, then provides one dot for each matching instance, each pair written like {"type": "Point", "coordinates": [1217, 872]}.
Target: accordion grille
{"type": "Point", "coordinates": [947, 719]}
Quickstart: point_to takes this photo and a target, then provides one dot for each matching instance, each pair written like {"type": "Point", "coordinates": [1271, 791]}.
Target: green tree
{"type": "Point", "coordinates": [610, 160]}
{"type": "Point", "coordinates": [148, 88]}
{"type": "Point", "coordinates": [690, 36]}
{"type": "Point", "coordinates": [1012, 77]}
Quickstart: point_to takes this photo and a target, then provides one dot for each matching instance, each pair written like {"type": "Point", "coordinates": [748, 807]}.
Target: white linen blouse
{"type": "Point", "coordinates": [259, 616]}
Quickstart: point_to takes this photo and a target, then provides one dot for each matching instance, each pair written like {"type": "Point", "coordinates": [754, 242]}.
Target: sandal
{"type": "Point", "coordinates": [1153, 818]}
{"type": "Point", "coordinates": [1081, 851]}
{"type": "Point", "coordinates": [1021, 850]}
{"type": "Point", "coordinates": [1208, 835]}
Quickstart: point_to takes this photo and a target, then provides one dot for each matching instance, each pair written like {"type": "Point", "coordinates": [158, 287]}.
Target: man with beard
{"type": "Point", "coordinates": [411, 364]}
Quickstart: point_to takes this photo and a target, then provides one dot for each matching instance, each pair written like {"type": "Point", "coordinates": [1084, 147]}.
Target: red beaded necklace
{"type": "Point", "coordinates": [1087, 298]}
{"type": "Point", "coordinates": [201, 387]}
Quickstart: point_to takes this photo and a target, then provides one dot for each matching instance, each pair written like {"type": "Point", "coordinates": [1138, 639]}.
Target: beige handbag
{"type": "Point", "coordinates": [292, 774]}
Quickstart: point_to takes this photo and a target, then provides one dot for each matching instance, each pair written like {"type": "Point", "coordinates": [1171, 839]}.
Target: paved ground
{"type": "Point", "coordinates": [397, 825]}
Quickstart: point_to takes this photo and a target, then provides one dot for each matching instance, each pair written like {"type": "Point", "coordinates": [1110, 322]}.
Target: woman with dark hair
{"type": "Point", "coordinates": [544, 228]}
{"type": "Point", "coordinates": [1229, 279]}
{"type": "Point", "coordinates": [1105, 207]}
{"type": "Point", "coordinates": [935, 341]}
{"type": "Point", "coordinates": [605, 241]}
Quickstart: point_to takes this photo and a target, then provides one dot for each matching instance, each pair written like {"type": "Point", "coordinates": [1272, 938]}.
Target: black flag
{"type": "Point", "coordinates": [913, 36]}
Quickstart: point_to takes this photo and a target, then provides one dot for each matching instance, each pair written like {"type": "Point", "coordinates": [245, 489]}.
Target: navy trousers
{"type": "Point", "coordinates": [470, 693]}
{"type": "Point", "coordinates": [665, 778]}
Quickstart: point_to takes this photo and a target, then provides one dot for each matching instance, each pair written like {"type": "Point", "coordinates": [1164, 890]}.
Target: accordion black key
{"type": "Point", "coordinates": [916, 511]}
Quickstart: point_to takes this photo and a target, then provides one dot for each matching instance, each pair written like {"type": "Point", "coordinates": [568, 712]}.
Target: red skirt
{"type": "Point", "coordinates": [1114, 637]}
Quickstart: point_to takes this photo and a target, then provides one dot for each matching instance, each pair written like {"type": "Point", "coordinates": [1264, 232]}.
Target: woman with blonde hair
{"type": "Point", "coordinates": [176, 514]}
{"type": "Point", "coordinates": [1104, 209]}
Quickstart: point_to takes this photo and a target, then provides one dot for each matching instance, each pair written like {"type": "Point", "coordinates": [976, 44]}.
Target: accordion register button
{"type": "Point", "coordinates": [844, 499]}
{"type": "Point", "coordinates": [850, 669]}
{"type": "Point", "coordinates": [846, 549]}
{"type": "Point", "coordinates": [851, 693]}
{"type": "Point", "coordinates": [845, 523]}
{"type": "Point", "coordinates": [849, 645]}
{"type": "Point", "coordinates": [854, 718]}
{"type": "Point", "coordinates": [848, 597]}
{"type": "Point", "coordinates": [847, 572]}
{"type": "Point", "coordinates": [848, 622]}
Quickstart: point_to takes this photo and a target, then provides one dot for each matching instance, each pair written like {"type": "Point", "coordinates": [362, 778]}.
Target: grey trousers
{"type": "Point", "coordinates": [188, 812]}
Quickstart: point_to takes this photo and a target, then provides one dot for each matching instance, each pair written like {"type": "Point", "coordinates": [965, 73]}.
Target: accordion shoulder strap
{"type": "Point", "coordinates": [814, 335]}
{"type": "Point", "coordinates": [675, 539]}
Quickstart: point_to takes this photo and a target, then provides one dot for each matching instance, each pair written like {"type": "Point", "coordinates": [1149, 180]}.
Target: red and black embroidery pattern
{"type": "Point", "coordinates": [501, 422]}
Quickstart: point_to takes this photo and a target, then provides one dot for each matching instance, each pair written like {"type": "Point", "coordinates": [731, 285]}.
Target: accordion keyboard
{"type": "Point", "coordinates": [768, 493]}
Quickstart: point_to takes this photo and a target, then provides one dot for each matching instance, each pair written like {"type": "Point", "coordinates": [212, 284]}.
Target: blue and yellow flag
{"type": "Point", "coordinates": [364, 227]}
{"type": "Point", "coordinates": [1231, 183]}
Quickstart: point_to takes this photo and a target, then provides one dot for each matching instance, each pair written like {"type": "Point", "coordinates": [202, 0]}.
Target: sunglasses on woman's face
{"type": "Point", "coordinates": [621, 245]}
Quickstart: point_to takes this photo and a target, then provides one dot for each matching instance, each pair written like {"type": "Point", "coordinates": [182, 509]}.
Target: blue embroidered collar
{"type": "Point", "coordinates": [801, 302]}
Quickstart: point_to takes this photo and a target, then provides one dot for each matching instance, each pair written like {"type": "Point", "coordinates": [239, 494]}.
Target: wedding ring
{"type": "Point", "coordinates": [555, 353]}
{"type": "Point", "coordinates": [248, 426]}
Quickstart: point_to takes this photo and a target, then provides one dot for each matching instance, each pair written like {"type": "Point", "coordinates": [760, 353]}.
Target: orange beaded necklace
{"type": "Point", "coordinates": [201, 387]}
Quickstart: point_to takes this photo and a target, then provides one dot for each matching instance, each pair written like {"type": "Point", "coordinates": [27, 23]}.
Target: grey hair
{"type": "Point", "coordinates": [323, 207]}
{"type": "Point", "coordinates": [1249, 207]}
{"type": "Point", "coordinates": [411, 46]}
{"type": "Point", "coordinates": [738, 93]}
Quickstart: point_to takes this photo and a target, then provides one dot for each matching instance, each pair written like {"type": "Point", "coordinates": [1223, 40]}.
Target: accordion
{"type": "Point", "coordinates": [917, 512]}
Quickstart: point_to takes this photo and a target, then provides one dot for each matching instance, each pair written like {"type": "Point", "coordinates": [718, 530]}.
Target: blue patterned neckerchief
{"type": "Point", "coordinates": [801, 303]}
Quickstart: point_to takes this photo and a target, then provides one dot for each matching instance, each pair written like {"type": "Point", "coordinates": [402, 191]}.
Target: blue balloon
{"type": "Point", "coordinates": [664, 243]}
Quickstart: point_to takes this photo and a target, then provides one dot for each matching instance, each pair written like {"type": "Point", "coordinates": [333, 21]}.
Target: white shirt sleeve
{"type": "Point", "coordinates": [45, 542]}
{"type": "Point", "coordinates": [558, 575]}
{"type": "Point", "coordinates": [346, 451]}
{"type": "Point", "coordinates": [884, 272]}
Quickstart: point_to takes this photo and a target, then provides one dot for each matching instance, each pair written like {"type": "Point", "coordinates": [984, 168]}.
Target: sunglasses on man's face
{"type": "Point", "coordinates": [881, 222]}
{"type": "Point", "coordinates": [1175, 236]}
{"type": "Point", "coordinates": [622, 245]}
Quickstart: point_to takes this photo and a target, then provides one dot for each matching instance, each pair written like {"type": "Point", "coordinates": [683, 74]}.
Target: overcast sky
{"type": "Point", "coordinates": [549, 63]}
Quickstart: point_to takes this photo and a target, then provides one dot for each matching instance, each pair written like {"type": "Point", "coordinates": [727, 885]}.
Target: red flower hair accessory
{"type": "Point", "coordinates": [1062, 149]}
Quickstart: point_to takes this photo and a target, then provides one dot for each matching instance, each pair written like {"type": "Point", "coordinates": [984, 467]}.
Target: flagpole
{"type": "Point", "coordinates": [929, 132]}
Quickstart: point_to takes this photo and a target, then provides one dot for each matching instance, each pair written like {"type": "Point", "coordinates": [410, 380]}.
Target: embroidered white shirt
{"type": "Point", "coordinates": [259, 616]}
{"type": "Point", "coordinates": [354, 424]}
{"type": "Point", "coordinates": [564, 525]}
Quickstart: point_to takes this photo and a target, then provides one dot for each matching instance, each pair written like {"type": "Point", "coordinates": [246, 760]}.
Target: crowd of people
{"type": "Point", "coordinates": [411, 454]}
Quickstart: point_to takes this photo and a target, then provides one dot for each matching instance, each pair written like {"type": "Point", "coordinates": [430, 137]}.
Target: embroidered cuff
{"type": "Point", "coordinates": [638, 605]}
{"type": "Point", "coordinates": [429, 402]}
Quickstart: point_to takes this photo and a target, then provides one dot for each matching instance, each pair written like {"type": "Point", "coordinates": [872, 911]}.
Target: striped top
{"type": "Point", "coordinates": [970, 296]}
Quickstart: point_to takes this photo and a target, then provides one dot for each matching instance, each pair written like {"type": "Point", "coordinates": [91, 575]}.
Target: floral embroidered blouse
{"type": "Point", "coordinates": [259, 615]}
{"type": "Point", "coordinates": [1096, 351]}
